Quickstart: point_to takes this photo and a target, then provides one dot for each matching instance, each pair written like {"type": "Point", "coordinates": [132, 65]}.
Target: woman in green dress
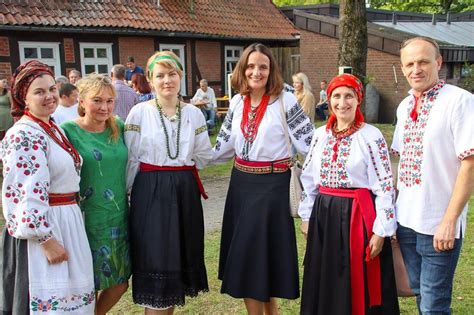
{"type": "Point", "coordinates": [6, 120]}
{"type": "Point", "coordinates": [98, 136]}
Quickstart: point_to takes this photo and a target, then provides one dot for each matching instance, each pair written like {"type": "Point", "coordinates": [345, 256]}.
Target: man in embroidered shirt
{"type": "Point", "coordinates": [434, 139]}
{"type": "Point", "coordinates": [126, 97]}
{"type": "Point", "coordinates": [205, 98]}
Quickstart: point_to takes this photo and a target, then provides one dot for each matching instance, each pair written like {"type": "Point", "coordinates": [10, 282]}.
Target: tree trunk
{"type": "Point", "coordinates": [353, 36]}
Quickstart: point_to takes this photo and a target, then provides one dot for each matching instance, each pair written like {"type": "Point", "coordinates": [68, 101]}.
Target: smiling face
{"type": "Point", "coordinates": [42, 97]}
{"type": "Point", "coordinates": [297, 84]}
{"type": "Point", "coordinates": [99, 107]}
{"type": "Point", "coordinates": [73, 77]}
{"type": "Point", "coordinates": [257, 71]}
{"type": "Point", "coordinates": [420, 65]}
{"type": "Point", "coordinates": [166, 81]}
{"type": "Point", "coordinates": [343, 104]}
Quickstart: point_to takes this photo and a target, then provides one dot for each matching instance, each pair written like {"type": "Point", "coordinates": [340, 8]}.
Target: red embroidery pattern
{"type": "Point", "coordinates": [389, 214]}
{"type": "Point", "coordinates": [15, 192]}
{"type": "Point", "coordinates": [42, 189]}
{"type": "Point", "coordinates": [465, 154]}
{"type": "Point", "coordinates": [28, 163]}
{"type": "Point", "coordinates": [333, 173]}
{"type": "Point", "coordinates": [394, 152]}
{"type": "Point", "coordinates": [414, 130]}
{"type": "Point", "coordinates": [385, 182]}
{"type": "Point", "coordinates": [25, 141]}
{"type": "Point", "coordinates": [383, 153]}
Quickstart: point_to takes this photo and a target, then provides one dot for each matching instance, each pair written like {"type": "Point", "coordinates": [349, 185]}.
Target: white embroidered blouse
{"type": "Point", "coordinates": [431, 150]}
{"type": "Point", "coordinates": [146, 141]}
{"type": "Point", "coordinates": [362, 162]}
{"type": "Point", "coordinates": [270, 143]}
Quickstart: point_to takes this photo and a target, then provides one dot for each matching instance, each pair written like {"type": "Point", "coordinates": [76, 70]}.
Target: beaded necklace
{"type": "Point", "coordinates": [354, 126]}
{"type": "Point", "coordinates": [178, 116]}
{"type": "Point", "coordinates": [252, 117]}
{"type": "Point", "coordinates": [52, 130]}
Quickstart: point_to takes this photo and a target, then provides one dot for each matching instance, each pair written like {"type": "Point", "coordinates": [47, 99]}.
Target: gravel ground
{"type": "Point", "coordinates": [214, 206]}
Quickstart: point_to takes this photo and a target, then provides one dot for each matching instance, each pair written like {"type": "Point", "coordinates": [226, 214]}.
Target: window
{"type": "Point", "coordinates": [96, 57]}
{"type": "Point", "coordinates": [232, 55]}
{"type": "Point", "coordinates": [178, 50]}
{"type": "Point", "coordinates": [45, 52]}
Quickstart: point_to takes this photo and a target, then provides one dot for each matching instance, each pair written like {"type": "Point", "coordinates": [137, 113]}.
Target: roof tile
{"type": "Point", "coordinates": [236, 18]}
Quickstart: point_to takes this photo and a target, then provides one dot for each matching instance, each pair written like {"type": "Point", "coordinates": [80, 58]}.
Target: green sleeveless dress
{"type": "Point", "coordinates": [6, 120]}
{"type": "Point", "coordinates": [104, 202]}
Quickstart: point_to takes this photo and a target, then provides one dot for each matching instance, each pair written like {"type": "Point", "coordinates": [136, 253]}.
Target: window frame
{"type": "Point", "coordinates": [54, 62]}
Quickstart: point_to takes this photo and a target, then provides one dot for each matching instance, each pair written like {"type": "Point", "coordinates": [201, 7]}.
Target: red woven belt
{"type": "Point", "coordinates": [362, 214]}
{"type": "Point", "coordinates": [63, 199]}
{"type": "Point", "coordinates": [257, 167]}
{"type": "Point", "coordinates": [144, 167]}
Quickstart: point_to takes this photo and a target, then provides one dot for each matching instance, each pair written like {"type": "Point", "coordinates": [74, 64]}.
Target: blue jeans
{"type": "Point", "coordinates": [430, 273]}
{"type": "Point", "coordinates": [210, 115]}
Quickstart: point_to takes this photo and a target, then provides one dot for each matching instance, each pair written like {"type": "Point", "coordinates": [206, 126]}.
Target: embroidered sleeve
{"type": "Point", "coordinates": [202, 153]}
{"type": "Point", "coordinates": [132, 141]}
{"type": "Point", "coordinates": [308, 181]}
{"type": "Point", "coordinates": [462, 126]}
{"type": "Point", "coordinates": [26, 185]}
{"type": "Point", "coordinates": [300, 128]}
{"type": "Point", "coordinates": [224, 149]}
{"type": "Point", "coordinates": [381, 183]}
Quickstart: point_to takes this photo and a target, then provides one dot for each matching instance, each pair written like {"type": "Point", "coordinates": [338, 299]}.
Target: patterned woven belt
{"type": "Point", "coordinates": [63, 199]}
{"type": "Point", "coordinates": [256, 167]}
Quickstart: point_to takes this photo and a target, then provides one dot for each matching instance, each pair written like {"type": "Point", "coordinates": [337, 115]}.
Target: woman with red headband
{"type": "Point", "coordinates": [47, 263]}
{"type": "Point", "coordinates": [348, 204]}
{"type": "Point", "coordinates": [258, 259]}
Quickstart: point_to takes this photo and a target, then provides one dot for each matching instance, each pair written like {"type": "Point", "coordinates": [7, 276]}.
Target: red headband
{"type": "Point", "coordinates": [24, 75]}
{"type": "Point", "coordinates": [353, 82]}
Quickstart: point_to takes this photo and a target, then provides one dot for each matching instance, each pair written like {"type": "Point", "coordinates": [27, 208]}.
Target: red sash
{"type": "Point", "coordinates": [363, 213]}
{"type": "Point", "coordinates": [144, 167]}
{"type": "Point", "coordinates": [63, 199]}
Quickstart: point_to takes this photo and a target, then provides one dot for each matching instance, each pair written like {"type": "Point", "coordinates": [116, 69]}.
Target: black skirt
{"type": "Point", "coordinates": [14, 297]}
{"type": "Point", "coordinates": [166, 238]}
{"type": "Point", "coordinates": [258, 256]}
{"type": "Point", "coordinates": [326, 278]}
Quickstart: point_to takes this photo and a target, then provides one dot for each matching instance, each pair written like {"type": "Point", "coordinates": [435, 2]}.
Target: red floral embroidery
{"type": "Point", "coordinates": [15, 192]}
{"type": "Point", "coordinates": [465, 154]}
{"type": "Point", "coordinates": [386, 182]}
{"type": "Point", "coordinates": [333, 173]}
{"type": "Point", "coordinates": [414, 131]}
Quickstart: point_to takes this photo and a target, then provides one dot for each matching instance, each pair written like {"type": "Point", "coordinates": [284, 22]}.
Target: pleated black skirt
{"type": "Point", "coordinates": [326, 278]}
{"type": "Point", "coordinates": [166, 238]}
{"type": "Point", "coordinates": [258, 256]}
{"type": "Point", "coordinates": [14, 295]}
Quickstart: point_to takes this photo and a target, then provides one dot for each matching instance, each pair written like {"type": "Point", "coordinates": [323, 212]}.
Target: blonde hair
{"type": "Point", "coordinates": [92, 85]}
{"type": "Point", "coordinates": [172, 62]}
{"type": "Point", "coordinates": [303, 78]}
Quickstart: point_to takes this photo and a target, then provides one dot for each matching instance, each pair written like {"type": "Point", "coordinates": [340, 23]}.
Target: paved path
{"type": "Point", "coordinates": [214, 206]}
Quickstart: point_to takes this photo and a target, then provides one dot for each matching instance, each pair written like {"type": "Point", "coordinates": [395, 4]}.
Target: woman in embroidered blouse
{"type": "Point", "coordinates": [47, 263]}
{"type": "Point", "coordinates": [258, 258]}
{"type": "Point", "coordinates": [98, 136]}
{"type": "Point", "coordinates": [348, 203]}
{"type": "Point", "coordinates": [304, 95]}
{"type": "Point", "coordinates": [167, 141]}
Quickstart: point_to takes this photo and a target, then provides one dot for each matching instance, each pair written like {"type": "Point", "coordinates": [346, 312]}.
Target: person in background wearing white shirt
{"type": "Point", "coordinates": [67, 108]}
{"type": "Point", "coordinates": [205, 98]}
{"type": "Point", "coordinates": [434, 139]}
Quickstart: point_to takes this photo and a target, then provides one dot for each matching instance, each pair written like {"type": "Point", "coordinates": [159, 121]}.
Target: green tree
{"type": "Point", "coordinates": [282, 3]}
{"type": "Point", "coordinates": [424, 6]}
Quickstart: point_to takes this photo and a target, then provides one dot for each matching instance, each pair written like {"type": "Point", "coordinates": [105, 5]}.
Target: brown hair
{"type": "Point", "coordinates": [141, 83]}
{"type": "Point", "coordinates": [239, 81]}
{"type": "Point", "coordinates": [426, 39]}
{"type": "Point", "coordinates": [167, 63]}
{"type": "Point", "coordinates": [92, 85]}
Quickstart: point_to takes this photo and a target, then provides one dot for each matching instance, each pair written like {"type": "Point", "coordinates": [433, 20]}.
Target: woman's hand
{"type": "Point", "coordinates": [54, 252]}
{"type": "Point", "coordinates": [375, 244]}
{"type": "Point", "coordinates": [304, 229]}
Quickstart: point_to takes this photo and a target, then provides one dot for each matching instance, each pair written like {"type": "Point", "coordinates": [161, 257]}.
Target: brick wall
{"type": "Point", "coordinates": [208, 58]}
{"type": "Point", "coordinates": [4, 46]}
{"type": "Point", "coordinates": [5, 71]}
{"type": "Point", "coordinates": [69, 56]}
{"type": "Point", "coordinates": [141, 48]}
{"type": "Point", "coordinates": [319, 61]}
